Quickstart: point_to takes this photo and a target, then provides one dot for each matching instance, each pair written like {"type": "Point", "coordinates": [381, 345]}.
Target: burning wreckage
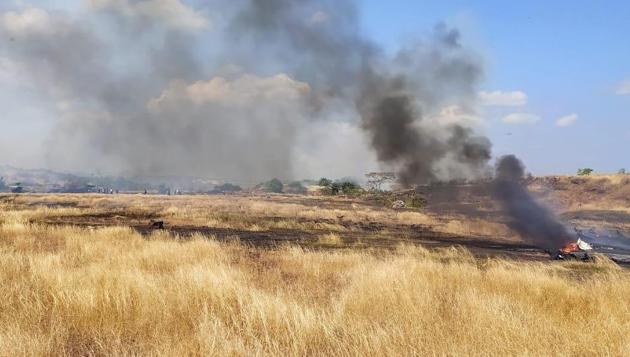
{"type": "Point", "coordinates": [578, 249]}
{"type": "Point", "coordinates": [613, 244]}
{"type": "Point", "coordinates": [534, 222]}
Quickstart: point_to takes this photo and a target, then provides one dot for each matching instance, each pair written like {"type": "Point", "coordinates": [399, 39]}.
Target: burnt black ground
{"type": "Point", "coordinates": [445, 203]}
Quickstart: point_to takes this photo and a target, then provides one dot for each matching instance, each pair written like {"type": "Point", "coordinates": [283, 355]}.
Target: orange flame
{"type": "Point", "coordinates": [570, 248]}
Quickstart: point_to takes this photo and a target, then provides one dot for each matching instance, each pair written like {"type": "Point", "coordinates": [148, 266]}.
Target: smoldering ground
{"type": "Point", "coordinates": [230, 90]}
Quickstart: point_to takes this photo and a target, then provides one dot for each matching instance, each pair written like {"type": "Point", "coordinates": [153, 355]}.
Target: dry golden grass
{"type": "Point", "coordinates": [330, 239]}
{"type": "Point", "coordinates": [109, 291]}
{"type": "Point", "coordinates": [595, 192]}
{"type": "Point", "coordinates": [475, 227]}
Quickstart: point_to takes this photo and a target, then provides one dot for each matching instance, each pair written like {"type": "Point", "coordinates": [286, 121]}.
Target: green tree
{"type": "Point", "coordinates": [343, 187]}
{"type": "Point", "coordinates": [274, 186]}
{"type": "Point", "coordinates": [350, 188]}
{"type": "Point", "coordinates": [622, 171]}
{"type": "Point", "coordinates": [585, 171]}
{"type": "Point", "coordinates": [227, 188]}
{"type": "Point", "coordinates": [332, 189]}
{"type": "Point", "coordinates": [324, 182]}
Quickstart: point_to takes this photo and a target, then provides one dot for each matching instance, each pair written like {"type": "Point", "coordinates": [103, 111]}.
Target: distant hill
{"type": "Point", "coordinates": [597, 191]}
{"type": "Point", "coordinates": [35, 179]}
{"type": "Point", "coordinates": [43, 180]}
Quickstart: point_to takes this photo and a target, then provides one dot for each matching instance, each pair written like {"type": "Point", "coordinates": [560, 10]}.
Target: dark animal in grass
{"type": "Point", "coordinates": [153, 224]}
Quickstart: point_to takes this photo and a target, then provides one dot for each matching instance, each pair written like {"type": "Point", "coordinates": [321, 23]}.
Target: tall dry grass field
{"type": "Point", "coordinates": [109, 291]}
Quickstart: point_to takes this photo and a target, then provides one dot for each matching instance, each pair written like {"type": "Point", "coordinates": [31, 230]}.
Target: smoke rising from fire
{"type": "Point", "coordinates": [529, 218]}
{"type": "Point", "coordinates": [254, 89]}
{"type": "Point", "coordinates": [392, 95]}
{"type": "Point", "coordinates": [231, 90]}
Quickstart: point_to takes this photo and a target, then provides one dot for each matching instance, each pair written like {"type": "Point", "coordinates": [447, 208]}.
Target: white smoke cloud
{"type": "Point", "coordinates": [31, 20]}
{"type": "Point", "coordinates": [456, 115]}
{"type": "Point", "coordinates": [245, 90]}
{"type": "Point", "coordinates": [170, 12]}
{"type": "Point", "coordinates": [333, 148]}
{"type": "Point", "coordinates": [567, 120]}
{"type": "Point", "coordinates": [52, 50]}
{"type": "Point", "coordinates": [624, 88]}
{"type": "Point", "coordinates": [503, 99]}
{"type": "Point", "coordinates": [8, 71]}
{"type": "Point", "coordinates": [319, 17]}
{"type": "Point", "coordinates": [521, 118]}
{"type": "Point", "coordinates": [243, 128]}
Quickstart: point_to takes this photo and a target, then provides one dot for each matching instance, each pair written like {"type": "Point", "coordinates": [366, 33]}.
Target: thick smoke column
{"type": "Point", "coordinates": [531, 220]}
{"type": "Point", "coordinates": [393, 96]}
{"type": "Point", "coordinates": [156, 87]}
{"type": "Point", "coordinates": [392, 112]}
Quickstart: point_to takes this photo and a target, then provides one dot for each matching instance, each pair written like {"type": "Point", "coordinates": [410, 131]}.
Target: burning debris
{"type": "Point", "coordinates": [612, 243]}
{"type": "Point", "coordinates": [538, 225]}
{"type": "Point", "coordinates": [575, 250]}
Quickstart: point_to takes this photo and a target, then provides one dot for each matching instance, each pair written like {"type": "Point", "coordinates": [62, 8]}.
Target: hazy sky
{"type": "Point", "coordinates": [556, 89]}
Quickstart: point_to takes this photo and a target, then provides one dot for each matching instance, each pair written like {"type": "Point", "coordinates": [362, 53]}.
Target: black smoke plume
{"type": "Point", "coordinates": [151, 93]}
{"type": "Point", "coordinates": [393, 96]}
{"type": "Point", "coordinates": [534, 223]}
